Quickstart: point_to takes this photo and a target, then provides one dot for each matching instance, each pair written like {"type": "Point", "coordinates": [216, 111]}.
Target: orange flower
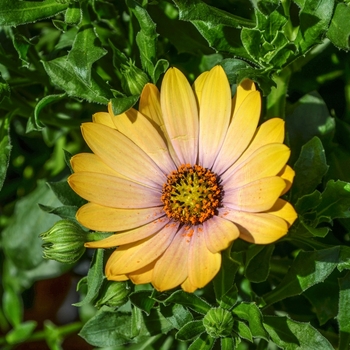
{"type": "Point", "coordinates": [180, 179]}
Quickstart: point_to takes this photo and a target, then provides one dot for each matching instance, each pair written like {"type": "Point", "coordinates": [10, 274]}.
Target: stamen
{"type": "Point", "coordinates": [191, 194]}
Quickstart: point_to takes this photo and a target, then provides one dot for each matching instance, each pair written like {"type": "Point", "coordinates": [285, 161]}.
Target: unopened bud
{"type": "Point", "coordinates": [64, 242]}
{"type": "Point", "coordinates": [114, 294]}
{"type": "Point", "coordinates": [133, 79]}
{"type": "Point", "coordinates": [218, 322]}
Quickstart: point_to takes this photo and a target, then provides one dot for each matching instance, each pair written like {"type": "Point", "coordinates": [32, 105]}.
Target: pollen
{"type": "Point", "coordinates": [191, 194]}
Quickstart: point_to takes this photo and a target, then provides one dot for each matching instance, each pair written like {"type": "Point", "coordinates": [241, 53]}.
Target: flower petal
{"type": "Point", "coordinates": [103, 118]}
{"type": "Point", "coordinates": [287, 174]}
{"type": "Point", "coordinates": [180, 115]}
{"type": "Point", "coordinates": [139, 129]}
{"type": "Point", "coordinates": [130, 236]}
{"type": "Point", "coordinates": [264, 162]}
{"type": "Point", "coordinates": [143, 275]}
{"type": "Point", "coordinates": [198, 86]}
{"type": "Point", "coordinates": [122, 155]}
{"type": "Point", "coordinates": [172, 267]}
{"type": "Point", "coordinates": [134, 256]}
{"type": "Point", "coordinates": [99, 218]}
{"type": "Point", "coordinates": [215, 109]}
{"type": "Point", "coordinates": [259, 228]}
{"type": "Point", "coordinates": [203, 265]}
{"type": "Point", "coordinates": [259, 195]}
{"type": "Point", "coordinates": [118, 278]}
{"type": "Point", "coordinates": [219, 233]}
{"type": "Point", "coordinates": [113, 191]}
{"type": "Point", "coordinates": [243, 90]}
{"type": "Point", "coordinates": [272, 131]}
{"type": "Point", "coordinates": [284, 210]}
{"type": "Point", "coordinates": [240, 132]}
{"type": "Point", "coordinates": [187, 286]}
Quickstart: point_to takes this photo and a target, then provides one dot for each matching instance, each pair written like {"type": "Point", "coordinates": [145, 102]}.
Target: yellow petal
{"type": "Point", "coordinates": [264, 162]}
{"type": "Point", "coordinates": [287, 174]}
{"type": "Point", "coordinates": [259, 195]}
{"type": "Point", "coordinates": [284, 210]}
{"type": "Point", "coordinates": [214, 115]}
{"type": "Point", "coordinates": [272, 131]}
{"type": "Point", "coordinates": [103, 118]}
{"type": "Point", "coordinates": [240, 132]}
{"type": "Point", "coordinates": [203, 265]}
{"type": "Point", "coordinates": [130, 236]}
{"type": "Point", "coordinates": [118, 278]}
{"type": "Point", "coordinates": [259, 228]}
{"type": "Point", "coordinates": [187, 286]}
{"type": "Point", "coordinates": [139, 129]}
{"type": "Point", "coordinates": [172, 268]}
{"type": "Point", "coordinates": [112, 191]}
{"type": "Point", "coordinates": [99, 218]}
{"type": "Point", "coordinates": [198, 86]}
{"type": "Point", "coordinates": [219, 233]}
{"type": "Point", "coordinates": [143, 275]}
{"type": "Point", "coordinates": [134, 256]}
{"type": "Point", "coordinates": [122, 155]}
{"type": "Point", "coordinates": [243, 90]}
{"type": "Point", "coordinates": [180, 115]}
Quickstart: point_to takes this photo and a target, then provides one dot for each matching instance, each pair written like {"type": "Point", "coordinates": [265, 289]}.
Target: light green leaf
{"type": "Point", "coordinates": [204, 342]}
{"type": "Point", "coordinates": [339, 30]}
{"type": "Point", "coordinates": [12, 306]}
{"type": "Point", "coordinates": [292, 335]}
{"type": "Point", "coordinates": [190, 331]}
{"type": "Point", "coordinates": [21, 332]}
{"type": "Point", "coordinates": [176, 314]}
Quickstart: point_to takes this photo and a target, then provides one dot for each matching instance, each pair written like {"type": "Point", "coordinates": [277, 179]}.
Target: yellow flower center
{"type": "Point", "coordinates": [191, 194]}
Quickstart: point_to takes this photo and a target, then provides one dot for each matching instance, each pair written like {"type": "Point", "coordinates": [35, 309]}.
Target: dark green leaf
{"type": "Point", "coordinates": [251, 313]}
{"type": "Point", "coordinates": [64, 212]}
{"type": "Point", "coordinates": [4, 89]}
{"type": "Point", "coordinates": [339, 30]}
{"type": "Point", "coordinates": [122, 104]}
{"type": "Point", "coordinates": [290, 335]}
{"type": "Point", "coordinates": [21, 332]}
{"type": "Point", "coordinates": [267, 6]}
{"type": "Point", "coordinates": [343, 312]}
{"type": "Point", "coordinates": [142, 300]}
{"type": "Point", "coordinates": [344, 261]}
{"type": "Point", "coordinates": [232, 66]}
{"type": "Point", "coordinates": [308, 269]}
{"type": "Point", "coordinates": [94, 278]}
{"type": "Point", "coordinates": [176, 314]}
{"type": "Point", "coordinates": [204, 342]}
{"type": "Point", "coordinates": [160, 68]}
{"type": "Point", "coordinates": [190, 330]}
{"type": "Point", "coordinates": [308, 202]}
{"type": "Point", "coordinates": [65, 194]}
{"type": "Point", "coordinates": [5, 148]}
{"type": "Point", "coordinates": [16, 12]}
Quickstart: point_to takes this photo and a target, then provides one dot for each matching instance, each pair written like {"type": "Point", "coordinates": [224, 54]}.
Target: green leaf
{"type": "Point", "coordinates": [64, 212]}
{"type": "Point", "coordinates": [65, 194]}
{"type": "Point", "coordinates": [308, 269]}
{"type": "Point", "coordinates": [94, 278]}
{"type": "Point", "coordinates": [5, 148]}
{"type": "Point", "coordinates": [122, 104]}
{"type": "Point", "coordinates": [161, 66]}
{"type": "Point", "coordinates": [63, 74]}
{"type": "Point", "coordinates": [242, 330]}
{"type": "Point", "coordinates": [229, 343]}
{"type": "Point", "coordinates": [203, 342]}
{"type": "Point", "coordinates": [86, 50]}
{"type": "Point", "coordinates": [190, 331]}
{"type": "Point", "coordinates": [266, 6]}
{"type": "Point", "coordinates": [28, 222]}
{"type": "Point", "coordinates": [176, 314]}
{"type": "Point", "coordinates": [343, 312]}
{"type": "Point", "coordinates": [142, 299]}
{"type": "Point", "coordinates": [251, 313]}
{"type": "Point", "coordinates": [21, 332]}
{"type": "Point", "coordinates": [339, 30]}
{"type": "Point", "coordinates": [309, 169]}
{"type": "Point", "coordinates": [12, 306]}
{"type": "Point", "coordinates": [190, 300]}
{"type": "Point", "coordinates": [308, 202]}
{"type": "Point", "coordinates": [107, 328]}
{"type": "Point", "coordinates": [290, 335]}
{"type": "Point", "coordinates": [16, 12]}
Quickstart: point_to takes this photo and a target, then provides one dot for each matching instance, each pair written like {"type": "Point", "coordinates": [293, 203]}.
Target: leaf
{"type": "Point", "coordinates": [242, 330]}
{"type": "Point", "coordinates": [176, 314]}
{"type": "Point", "coordinates": [190, 300]}
{"type": "Point", "coordinates": [343, 312]}
{"type": "Point", "coordinates": [309, 169]}
{"type": "Point", "coordinates": [16, 12]}
{"type": "Point", "coordinates": [12, 306]}
{"type": "Point", "coordinates": [251, 313]}
{"type": "Point", "coordinates": [290, 335]}
{"type": "Point", "coordinates": [5, 148]}
{"type": "Point", "coordinates": [308, 269]}
{"type": "Point", "coordinates": [107, 328]}
{"type": "Point", "coordinates": [190, 331]}
{"type": "Point", "coordinates": [21, 332]}
{"type": "Point", "coordinates": [63, 74]}
{"type": "Point", "coordinates": [64, 212]}
{"type": "Point", "coordinates": [94, 278]}
{"type": "Point", "coordinates": [122, 104]}
{"type": "Point", "coordinates": [21, 235]}
{"type": "Point", "coordinates": [339, 30]}
{"type": "Point", "coordinates": [65, 194]}
{"type": "Point", "coordinates": [142, 299]}
{"type": "Point", "coordinates": [86, 50]}
{"type": "Point", "coordinates": [203, 342]}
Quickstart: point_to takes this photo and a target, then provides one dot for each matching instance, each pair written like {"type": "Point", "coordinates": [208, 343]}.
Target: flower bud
{"type": "Point", "coordinates": [114, 294]}
{"type": "Point", "coordinates": [64, 242]}
{"type": "Point", "coordinates": [218, 322]}
{"type": "Point", "coordinates": [133, 78]}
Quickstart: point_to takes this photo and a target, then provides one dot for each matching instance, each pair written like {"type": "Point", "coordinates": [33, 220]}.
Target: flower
{"type": "Point", "coordinates": [181, 178]}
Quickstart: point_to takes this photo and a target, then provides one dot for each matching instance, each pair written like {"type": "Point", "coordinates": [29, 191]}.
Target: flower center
{"type": "Point", "coordinates": [191, 194]}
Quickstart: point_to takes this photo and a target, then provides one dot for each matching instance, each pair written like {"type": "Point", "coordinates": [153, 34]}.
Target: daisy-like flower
{"type": "Point", "coordinates": [181, 178]}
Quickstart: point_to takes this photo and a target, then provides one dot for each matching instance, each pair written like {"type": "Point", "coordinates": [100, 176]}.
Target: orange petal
{"type": "Point", "coordinates": [203, 265]}
{"type": "Point", "coordinates": [118, 278]}
{"type": "Point", "coordinates": [99, 218]}
{"type": "Point", "coordinates": [287, 174]}
{"type": "Point", "coordinates": [215, 109]}
{"type": "Point", "coordinates": [259, 195]}
{"type": "Point", "coordinates": [180, 115]}
{"type": "Point", "coordinates": [240, 132]}
{"type": "Point", "coordinates": [259, 228]}
{"type": "Point", "coordinates": [143, 275]}
{"type": "Point", "coordinates": [284, 210]}
{"type": "Point", "coordinates": [134, 256]}
{"type": "Point", "coordinates": [112, 191]}
{"type": "Point", "coordinates": [103, 118]}
{"type": "Point", "coordinates": [172, 268]}
{"type": "Point", "coordinates": [219, 233]}
{"type": "Point", "coordinates": [130, 236]}
{"type": "Point", "coordinates": [187, 286]}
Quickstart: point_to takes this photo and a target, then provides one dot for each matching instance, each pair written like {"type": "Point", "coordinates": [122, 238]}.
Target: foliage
{"type": "Point", "coordinates": [63, 60]}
